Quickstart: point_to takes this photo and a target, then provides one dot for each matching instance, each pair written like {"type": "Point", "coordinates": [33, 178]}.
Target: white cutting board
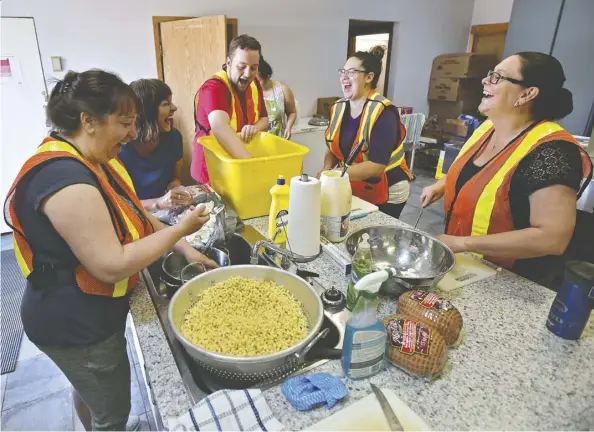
{"type": "Point", "coordinates": [362, 206]}
{"type": "Point", "coordinates": [366, 415]}
{"type": "Point", "coordinates": [467, 270]}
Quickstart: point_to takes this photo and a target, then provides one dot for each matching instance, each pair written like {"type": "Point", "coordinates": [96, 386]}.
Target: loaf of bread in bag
{"type": "Point", "coordinates": [414, 347]}
{"type": "Point", "coordinates": [433, 311]}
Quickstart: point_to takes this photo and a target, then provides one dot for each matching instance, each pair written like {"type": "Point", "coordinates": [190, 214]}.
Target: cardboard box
{"type": "Point", "coordinates": [464, 65]}
{"type": "Point", "coordinates": [324, 105]}
{"type": "Point", "coordinates": [440, 111]}
{"type": "Point", "coordinates": [452, 110]}
{"type": "Point", "coordinates": [455, 129]}
{"type": "Point", "coordinates": [455, 89]}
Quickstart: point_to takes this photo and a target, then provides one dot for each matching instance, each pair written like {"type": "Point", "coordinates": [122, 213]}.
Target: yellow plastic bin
{"type": "Point", "coordinates": [245, 183]}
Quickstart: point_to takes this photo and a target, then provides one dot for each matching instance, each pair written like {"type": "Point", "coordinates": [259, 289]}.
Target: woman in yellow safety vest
{"type": "Point", "coordinates": [81, 236]}
{"type": "Point", "coordinates": [510, 195]}
{"type": "Point", "coordinates": [366, 127]}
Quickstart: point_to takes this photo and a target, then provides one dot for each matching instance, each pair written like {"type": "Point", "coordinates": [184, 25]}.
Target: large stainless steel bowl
{"type": "Point", "coordinates": [419, 259]}
{"type": "Point", "coordinates": [245, 371]}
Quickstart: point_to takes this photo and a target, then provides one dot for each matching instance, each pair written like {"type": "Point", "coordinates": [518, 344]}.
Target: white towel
{"type": "Point", "coordinates": [229, 410]}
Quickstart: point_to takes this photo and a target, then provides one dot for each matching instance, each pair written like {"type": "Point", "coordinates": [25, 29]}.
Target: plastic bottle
{"type": "Point", "coordinates": [279, 211]}
{"type": "Point", "coordinates": [337, 197]}
{"type": "Point", "coordinates": [362, 266]}
{"type": "Point", "coordinates": [365, 336]}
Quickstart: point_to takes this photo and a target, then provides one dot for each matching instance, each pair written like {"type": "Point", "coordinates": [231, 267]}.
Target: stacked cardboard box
{"type": "Point", "coordinates": [324, 105]}
{"type": "Point", "coordinates": [455, 88]}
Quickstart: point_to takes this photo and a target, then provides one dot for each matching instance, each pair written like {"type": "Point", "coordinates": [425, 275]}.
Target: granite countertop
{"type": "Point", "coordinates": [510, 372]}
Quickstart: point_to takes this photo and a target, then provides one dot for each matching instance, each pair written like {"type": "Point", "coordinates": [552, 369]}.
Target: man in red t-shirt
{"type": "Point", "coordinates": [230, 102]}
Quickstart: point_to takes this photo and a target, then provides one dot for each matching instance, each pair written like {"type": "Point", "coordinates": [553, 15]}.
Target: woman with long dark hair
{"type": "Point", "coordinates": [154, 159]}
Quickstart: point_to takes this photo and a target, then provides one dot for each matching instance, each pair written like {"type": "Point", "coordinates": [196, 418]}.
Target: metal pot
{"type": "Point", "coordinates": [420, 260]}
{"type": "Point", "coordinates": [246, 371]}
{"type": "Point", "coordinates": [174, 262]}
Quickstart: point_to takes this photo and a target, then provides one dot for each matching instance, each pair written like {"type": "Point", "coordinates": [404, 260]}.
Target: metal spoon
{"type": "Point", "coordinates": [419, 218]}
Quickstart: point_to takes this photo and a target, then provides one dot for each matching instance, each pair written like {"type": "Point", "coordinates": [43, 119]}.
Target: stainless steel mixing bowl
{"type": "Point", "coordinates": [420, 260]}
{"type": "Point", "coordinates": [246, 371]}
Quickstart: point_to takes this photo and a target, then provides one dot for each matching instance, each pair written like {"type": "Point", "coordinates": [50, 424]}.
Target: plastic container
{"type": "Point", "coordinates": [362, 265]}
{"type": "Point", "coordinates": [337, 197]}
{"type": "Point", "coordinates": [365, 336]}
{"type": "Point", "coordinates": [278, 218]}
{"type": "Point", "coordinates": [244, 184]}
{"type": "Point", "coordinates": [574, 302]}
{"type": "Point", "coordinates": [452, 149]}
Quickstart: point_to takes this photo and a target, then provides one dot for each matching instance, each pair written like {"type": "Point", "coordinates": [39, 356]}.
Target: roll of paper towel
{"type": "Point", "coordinates": [303, 236]}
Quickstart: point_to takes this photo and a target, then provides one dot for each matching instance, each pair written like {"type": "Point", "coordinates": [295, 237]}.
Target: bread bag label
{"type": "Point", "coordinates": [431, 301]}
{"type": "Point", "coordinates": [409, 336]}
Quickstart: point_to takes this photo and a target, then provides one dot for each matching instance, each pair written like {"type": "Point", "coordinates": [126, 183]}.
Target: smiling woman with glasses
{"type": "Point", "coordinates": [365, 132]}
{"type": "Point", "coordinates": [511, 194]}
{"type": "Point", "coordinates": [349, 72]}
{"type": "Point", "coordinates": [495, 77]}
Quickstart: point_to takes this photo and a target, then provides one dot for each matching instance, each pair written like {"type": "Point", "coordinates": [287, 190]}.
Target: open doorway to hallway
{"type": "Point", "coordinates": [364, 35]}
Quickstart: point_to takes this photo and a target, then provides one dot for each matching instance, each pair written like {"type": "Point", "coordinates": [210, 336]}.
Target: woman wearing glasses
{"type": "Point", "coordinates": [366, 132]}
{"type": "Point", "coordinates": [510, 196]}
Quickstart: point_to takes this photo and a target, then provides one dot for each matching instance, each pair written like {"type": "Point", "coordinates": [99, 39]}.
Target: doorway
{"type": "Point", "coordinates": [23, 98]}
{"type": "Point", "coordinates": [188, 52]}
{"type": "Point", "coordinates": [365, 35]}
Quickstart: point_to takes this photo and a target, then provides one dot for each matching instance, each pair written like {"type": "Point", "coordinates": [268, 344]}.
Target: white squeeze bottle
{"type": "Point", "coordinates": [365, 336]}
{"type": "Point", "coordinates": [279, 211]}
{"type": "Point", "coordinates": [337, 197]}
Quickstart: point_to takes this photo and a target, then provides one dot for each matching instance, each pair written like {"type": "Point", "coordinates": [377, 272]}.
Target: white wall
{"type": "Point", "coordinates": [491, 11]}
{"type": "Point", "coordinates": [305, 41]}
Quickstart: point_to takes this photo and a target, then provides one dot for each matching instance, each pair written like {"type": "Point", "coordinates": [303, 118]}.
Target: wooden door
{"type": "Point", "coordinates": [192, 50]}
{"type": "Point", "coordinates": [488, 39]}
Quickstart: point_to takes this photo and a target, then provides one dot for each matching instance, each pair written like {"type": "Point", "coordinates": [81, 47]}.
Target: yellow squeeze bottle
{"type": "Point", "coordinates": [279, 212]}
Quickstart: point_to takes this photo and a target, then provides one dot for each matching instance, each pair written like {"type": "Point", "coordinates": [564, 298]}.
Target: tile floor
{"type": "Point", "coordinates": [433, 219]}
{"type": "Point", "coordinates": [36, 396]}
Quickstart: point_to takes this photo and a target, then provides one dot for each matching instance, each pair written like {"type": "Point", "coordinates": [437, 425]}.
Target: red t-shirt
{"type": "Point", "coordinates": [214, 96]}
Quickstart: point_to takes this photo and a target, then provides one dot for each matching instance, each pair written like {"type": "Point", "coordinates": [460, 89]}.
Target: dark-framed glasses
{"type": "Point", "coordinates": [349, 72]}
{"type": "Point", "coordinates": [495, 77]}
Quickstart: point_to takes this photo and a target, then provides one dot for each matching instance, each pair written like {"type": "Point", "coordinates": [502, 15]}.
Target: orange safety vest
{"type": "Point", "coordinates": [482, 205]}
{"type": "Point", "coordinates": [129, 227]}
{"type": "Point", "coordinates": [252, 102]}
{"type": "Point", "coordinates": [376, 193]}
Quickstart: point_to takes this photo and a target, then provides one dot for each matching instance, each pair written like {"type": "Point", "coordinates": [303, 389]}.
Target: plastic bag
{"type": "Point", "coordinates": [216, 231]}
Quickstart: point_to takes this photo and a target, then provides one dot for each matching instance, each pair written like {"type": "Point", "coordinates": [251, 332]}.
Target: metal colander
{"type": "Point", "coordinates": [244, 372]}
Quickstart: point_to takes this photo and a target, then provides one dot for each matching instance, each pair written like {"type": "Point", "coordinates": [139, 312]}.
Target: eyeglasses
{"type": "Point", "coordinates": [349, 72]}
{"type": "Point", "coordinates": [495, 77]}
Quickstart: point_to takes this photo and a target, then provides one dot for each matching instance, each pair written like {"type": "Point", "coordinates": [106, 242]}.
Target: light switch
{"type": "Point", "coordinates": [57, 64]}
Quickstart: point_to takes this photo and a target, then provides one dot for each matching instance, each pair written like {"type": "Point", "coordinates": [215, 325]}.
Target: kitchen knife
{"type": "Point", "coordinates": [393, 421]}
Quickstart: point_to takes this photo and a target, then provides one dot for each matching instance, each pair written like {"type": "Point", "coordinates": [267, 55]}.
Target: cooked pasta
{"type": "Point", "coordinates": [245, 317]}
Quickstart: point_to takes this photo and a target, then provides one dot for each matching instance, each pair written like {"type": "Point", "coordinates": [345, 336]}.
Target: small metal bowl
{"type": "Point", "coordinates": [420, 260]}
{"type": "Point", "coordinates": [174, 263]}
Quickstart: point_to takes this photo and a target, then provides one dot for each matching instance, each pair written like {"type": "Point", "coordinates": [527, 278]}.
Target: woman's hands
{"type": "Point", "coordinates": [288, 133]}
{"type": "Point", "coordinates": [324, 168]}
{"type": "Point", "coordinates": [432, 193]}
{"type": "Point", "coordinates": [179, 195]}
{"type": "Point", "coordinates": [194, 220]}
{"type": "Point", "coordinates": [193, 256]}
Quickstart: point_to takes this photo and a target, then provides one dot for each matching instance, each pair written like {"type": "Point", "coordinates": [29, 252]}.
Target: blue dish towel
{"type": "Point", "coordinates": [306, 392]}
